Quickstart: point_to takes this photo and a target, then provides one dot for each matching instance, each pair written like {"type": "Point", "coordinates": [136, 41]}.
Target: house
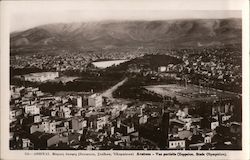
{"type": "Point", "coordinates": [37, 118]}
{"type": "Point", "coordinates": [143, 119]}
{"type": "Point", "coordinates": [214, 124]}
{"type": "Point", "coordinates": [207, 139]}
{"type": "Point", "coordinates": [112, 130]}
{"type": "Point", "coordinates": [45, 124]}
{"type": "Point", "coordinates": [44, 140]}
{"type": "Point", "coordinates": [101, 122]}
{"type": "Point", "coordinates": [78, 101]}
{"type": "Point", "coordinates": [12, 116]}
{"type": "Point", "coordinates": [162, 69]}
{"type": "Point", "coordinates": [32, 109]}
{"type": "Point", "coordinates": [53, 113]}
{"type": "Point", "coordinates": [95, 100]}
{"type": "Point", "coordinates": [78, 123]}
{"type": "Point", "coordinates": [52, 126]}
{"type": "Point", "coordinates": [66, 112]}
{"type": "Point", "coordinates": [176, 144]}
{"type": "Point", "coordinates": [60, 128]}
{"type": "Point", "coordinates": [225, 117]}
{"type": "Point", "coordinates": [227, 108]}
{"type": "Point", "coordinates": [50, 139]}
{"type": "Point", "coordinates": [125, 129]}
{"type": "Point", "coordinates": [27, 144]}
{"type": "Point", "coordinates": [36, 127]}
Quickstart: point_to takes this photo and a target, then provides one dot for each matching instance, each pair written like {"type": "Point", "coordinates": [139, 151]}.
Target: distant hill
{"type": "Point", "coordinates": [115, 34]}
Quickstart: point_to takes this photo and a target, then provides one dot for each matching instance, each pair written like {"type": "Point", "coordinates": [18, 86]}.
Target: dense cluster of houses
{"type": "Point", "coordinates": [39, 121]}
{"type": "Point", "coordinates": [88, 121]}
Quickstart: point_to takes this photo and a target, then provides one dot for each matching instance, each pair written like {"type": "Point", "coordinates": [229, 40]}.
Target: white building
{"type": "Point", "coordinates": [32, 109]}
{"type": "Point", "coordinates": [52, 126]}
{"type": "Point", "coordinates": [162, 69]}
{"type": "Point", "coordinates": [101, 122]}
{"type": "Point", "coordinates": [143, 119]}
{"type": "Point", "coordinates": [95, 100]}
{"type": "Point", "coordinates": [207, 139]}
{"type": "Point", "coordinates": [26, 143]}
{"type": "Point", "coordinates": [225, 117]}
{"type": "Point", "coordinates": [214, 124]}
{"type": "Point", "coordinates": [41, 77]}
{"type": "Point", "coordinates": [12, 115]}
{"type": "Point", "coordinates": [46, 126]}
{"type": "Point", "coordinates": [79, 101]}
{"type": "Point", "coordinates": [177, 144]}
{"type": "Point", "coordinates": [67, 112]}
{"type": "Point", "coordinates": [112, 130]}
{"type": "Point", "coordinates": [37, 118]}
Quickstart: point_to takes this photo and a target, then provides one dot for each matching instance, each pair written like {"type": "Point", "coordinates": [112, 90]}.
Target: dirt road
{"type": "Point", "coordinates": [108, 93]}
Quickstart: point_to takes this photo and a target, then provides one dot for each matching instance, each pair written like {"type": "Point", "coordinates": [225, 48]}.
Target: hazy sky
{"type": "Point", "coordinates": [31, 14]}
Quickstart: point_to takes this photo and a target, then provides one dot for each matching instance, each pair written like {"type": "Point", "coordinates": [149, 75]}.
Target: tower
{"type": "Point", "coordinates": [164, 130]}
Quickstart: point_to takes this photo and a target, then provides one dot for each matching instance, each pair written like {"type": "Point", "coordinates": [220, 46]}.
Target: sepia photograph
{"type": "Point", "coordinates": [140, 79]}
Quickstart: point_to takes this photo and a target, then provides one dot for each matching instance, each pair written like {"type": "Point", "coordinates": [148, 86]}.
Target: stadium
{"type": "Point", "coordinates": [190, 93]}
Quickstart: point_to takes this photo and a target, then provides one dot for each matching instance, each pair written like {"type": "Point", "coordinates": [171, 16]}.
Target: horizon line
{"type": "Point", "coordinates": [123, 20]}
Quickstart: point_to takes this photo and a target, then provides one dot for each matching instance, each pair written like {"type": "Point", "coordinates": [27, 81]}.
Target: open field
{"type": "Point", "coordinates": [190, 92]}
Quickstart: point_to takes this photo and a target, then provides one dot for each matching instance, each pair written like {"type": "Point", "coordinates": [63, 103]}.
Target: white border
{"type": "Point", "coordinates": [8, 6]}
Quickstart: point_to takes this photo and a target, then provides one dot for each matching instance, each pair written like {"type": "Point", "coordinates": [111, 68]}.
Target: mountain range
{"type": "Point", "coordinates": [115, 34]}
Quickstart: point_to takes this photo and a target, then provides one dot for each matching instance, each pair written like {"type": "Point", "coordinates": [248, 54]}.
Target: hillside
{"type": "Point", "coordinates": [116, 34]}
